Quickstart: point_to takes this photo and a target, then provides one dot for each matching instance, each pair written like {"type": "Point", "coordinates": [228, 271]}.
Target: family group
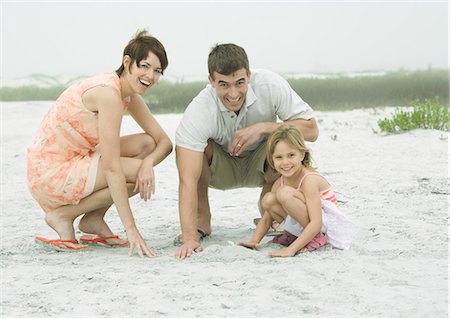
{"type": "Point", "coordinates": [247, 128]}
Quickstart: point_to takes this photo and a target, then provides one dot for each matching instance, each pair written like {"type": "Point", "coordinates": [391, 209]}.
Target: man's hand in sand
{"type": "Point", "coordinates": [187, 248]}
{"type": "Point", "coordinates": [252, 245]}
{"type": "Point", "coordinates": [138, 243]}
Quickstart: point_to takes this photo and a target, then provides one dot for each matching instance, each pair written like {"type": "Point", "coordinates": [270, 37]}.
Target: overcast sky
{"type": "Point", "coordinates": [80, 38]}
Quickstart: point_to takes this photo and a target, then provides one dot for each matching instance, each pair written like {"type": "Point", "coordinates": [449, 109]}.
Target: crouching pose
{"type": "Point", "coordinates": [79, 165]}
{"type": "Point", "coordinates": [301, 200]}
{"type": "Point", "coordinates": [221, 139]}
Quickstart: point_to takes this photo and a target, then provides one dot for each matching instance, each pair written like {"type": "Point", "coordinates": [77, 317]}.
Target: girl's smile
{"type": "Point", "coordinates": [287, 160]}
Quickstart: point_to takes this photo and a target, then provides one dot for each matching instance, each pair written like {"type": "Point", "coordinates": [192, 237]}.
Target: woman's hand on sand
{"type": "Point", "coordinates": [252, 245]}
{"type": "Point", "coordinates": [187, 248]}
{"type": "Point", "coordinates": [145, 180]}
{"type": "Point", "coordinates": [138, 244]}
{"type": "Point", "coordinates": [285, 252]}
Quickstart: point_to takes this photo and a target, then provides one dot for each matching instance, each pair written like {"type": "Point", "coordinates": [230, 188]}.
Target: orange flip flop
{"type": "Point", "coordinates": [59, 245]}
{"type": "Point", "coordinates": [92, 239]}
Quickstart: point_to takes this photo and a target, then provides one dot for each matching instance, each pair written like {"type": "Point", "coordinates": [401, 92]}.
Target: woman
{"type": "Point", "coordinates": [79, 165]}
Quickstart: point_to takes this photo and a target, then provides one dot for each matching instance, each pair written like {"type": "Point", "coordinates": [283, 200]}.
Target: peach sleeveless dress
{"type": "Point", "coordinates": [63, 158]}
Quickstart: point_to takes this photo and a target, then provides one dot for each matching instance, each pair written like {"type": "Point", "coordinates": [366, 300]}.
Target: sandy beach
{"type": "Point", "coordinates": [394, 187]}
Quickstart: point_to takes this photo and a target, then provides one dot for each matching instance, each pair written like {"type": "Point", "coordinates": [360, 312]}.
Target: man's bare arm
{"type": "Point", "coordinates": [189, 165]}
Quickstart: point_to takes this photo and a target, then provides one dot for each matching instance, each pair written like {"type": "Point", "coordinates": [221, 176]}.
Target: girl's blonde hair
{"type": "Point", "coordinates": [293, 137]}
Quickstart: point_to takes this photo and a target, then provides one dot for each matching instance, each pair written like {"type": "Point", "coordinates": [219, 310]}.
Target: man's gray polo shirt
{"type": "Point", "coordinates": [269, 98]}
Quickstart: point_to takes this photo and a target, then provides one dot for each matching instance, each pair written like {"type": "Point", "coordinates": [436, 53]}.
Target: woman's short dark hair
{"type": "Point", "coordinates": [139, 47]}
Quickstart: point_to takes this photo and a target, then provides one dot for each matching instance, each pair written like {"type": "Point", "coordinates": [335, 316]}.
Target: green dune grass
{"type": "Point", "coordinates": [338, 92]}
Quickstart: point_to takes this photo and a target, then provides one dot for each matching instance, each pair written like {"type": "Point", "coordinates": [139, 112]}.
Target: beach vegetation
{"type": "Point", "coordinates": [30, 93]}
{"type": "Point", "coordinates": [427, 114]}
{"type": "Point", "coordinates": [391, 89]}
{"type": "Point", "coordinates": [335, 92]}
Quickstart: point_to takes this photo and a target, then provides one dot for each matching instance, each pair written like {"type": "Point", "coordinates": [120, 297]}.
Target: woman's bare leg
{"type": "Point", "coordinates": [133, 149]}
{"type": "Point", "coordinates": [136, 146]}
{"type": "Point", "coordinates": [94, 223]}
{"type": "Point", "coordinates": [61, 219]}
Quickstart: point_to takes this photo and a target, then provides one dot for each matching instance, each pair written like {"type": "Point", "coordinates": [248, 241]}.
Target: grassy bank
{"type": "Point", "coordinates": [393, 89]}
{"type": "Point", "coordinates": [398, 88]}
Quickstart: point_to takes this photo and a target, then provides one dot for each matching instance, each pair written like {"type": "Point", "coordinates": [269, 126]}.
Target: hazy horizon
{"type": "Point", "coordinates": [287, 37]}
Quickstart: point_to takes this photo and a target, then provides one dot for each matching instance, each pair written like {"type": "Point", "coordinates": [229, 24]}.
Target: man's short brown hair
{"type": "Point", "coordinates": [226, 59]}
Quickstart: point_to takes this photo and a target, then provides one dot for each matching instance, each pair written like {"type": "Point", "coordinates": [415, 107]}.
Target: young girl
{"type": "Point", "coordinates": [78, 164]}
{"type": "Point", "coordinates": [301, 200]}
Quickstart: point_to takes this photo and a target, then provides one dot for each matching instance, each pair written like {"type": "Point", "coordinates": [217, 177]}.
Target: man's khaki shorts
{"type": "Point", "coordinates": [229, 172]}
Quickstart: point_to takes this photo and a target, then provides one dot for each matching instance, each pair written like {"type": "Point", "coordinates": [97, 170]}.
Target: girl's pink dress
{"type": "Point", "coordinates": [339, 229]}
{"type": "Point", "coordinates": [64, 148]}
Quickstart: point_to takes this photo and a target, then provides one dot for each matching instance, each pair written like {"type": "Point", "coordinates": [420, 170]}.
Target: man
{"type": "Point", "coordinates": [221, 139]}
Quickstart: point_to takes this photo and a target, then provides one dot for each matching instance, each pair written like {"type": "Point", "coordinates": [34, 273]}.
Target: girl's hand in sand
{"type": "Point", "coordinates": [187, 248]}
{"type": "Point", "coordinates": [138, 243]}
{"type": "Point", "coordinates": [252, 245]}
{"type": "Point", "coordinates": [285, 252]}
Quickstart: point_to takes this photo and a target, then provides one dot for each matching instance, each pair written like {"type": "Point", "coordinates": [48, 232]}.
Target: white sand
{"type": "Point", "coordinates": [395, 188]}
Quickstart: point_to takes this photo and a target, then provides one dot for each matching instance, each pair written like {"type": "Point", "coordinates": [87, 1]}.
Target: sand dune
{"type": "Point", "coordinates": [394, 187]}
